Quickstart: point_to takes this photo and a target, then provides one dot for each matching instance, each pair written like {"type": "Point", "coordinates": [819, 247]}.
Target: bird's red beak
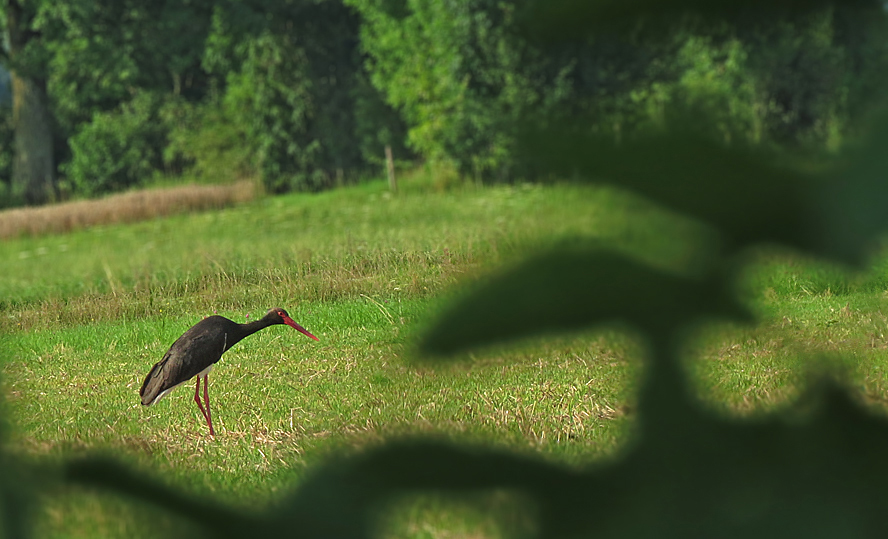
{"type": "Point", "coordinates": [289, 321]}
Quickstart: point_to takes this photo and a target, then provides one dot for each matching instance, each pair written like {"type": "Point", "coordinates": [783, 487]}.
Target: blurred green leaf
{"type": "Point", "coordinates": [566, 290]}
{"type": "Point", "coordinates": [344, 497]}
{"type": "Point", "coordinates": [851, 204]}
{"type": "Point", "coordinates": [815, 471]}
{"type": "Point", "coordinates": [739, 191]}
{"type": "Point", "coordinates": [107, 474]}
{"type": "Point", "coordinates": [17, 496]}
{"type": "Point", "coordinates": [747, 195]}
{"type": "Point", "coordinates": [19, 484]}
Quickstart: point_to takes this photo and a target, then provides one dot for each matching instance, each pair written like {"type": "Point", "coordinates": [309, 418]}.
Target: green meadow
{"type": "Point", "coordinates": [85, 315]}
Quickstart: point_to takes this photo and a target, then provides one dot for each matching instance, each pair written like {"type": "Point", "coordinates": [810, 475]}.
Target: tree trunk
{"type": "Point", "coordinates": [390, 168]}
{"type": "Point", "coordinates": [33, 169]}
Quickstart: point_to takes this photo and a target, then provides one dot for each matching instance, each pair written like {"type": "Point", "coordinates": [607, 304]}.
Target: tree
{"type": "Point", "coordinates": [458, 74]}
{"type": "Point", "coordinates": [113, 67]}
{"type": "Point", "coordinates": [6, 134]}
{"type": "Point", "coordinates": [33, 169]}
{"type": "Point", "coordinates": [292, 80]}
{"type": "Point", "coordinates": [74, 60]}
{"type": "Point", "coordinates": [465, 74]}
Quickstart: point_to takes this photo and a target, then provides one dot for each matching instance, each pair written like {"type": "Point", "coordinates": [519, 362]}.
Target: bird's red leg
{"type": "Point", "coordinates": [197, 400]}
{"type": "Point", "coordinates": [207, 400]}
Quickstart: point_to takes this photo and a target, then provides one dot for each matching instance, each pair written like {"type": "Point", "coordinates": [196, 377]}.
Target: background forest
{"type": "Point", "coordinates": [306, 94]}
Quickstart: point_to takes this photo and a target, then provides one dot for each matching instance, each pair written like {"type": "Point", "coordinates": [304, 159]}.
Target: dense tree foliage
{"type": "Point", "coordinates": [116, 148]}
{"type": "Point", "coordinates": [291, 80]}
{"type": "Point", "coordinates": [307, 93]}
{"type": "Point", "coordinates": [463, 73]}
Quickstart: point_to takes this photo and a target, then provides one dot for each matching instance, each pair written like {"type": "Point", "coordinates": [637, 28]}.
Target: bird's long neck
{"type": "Point", "coordinates": [240, 331]}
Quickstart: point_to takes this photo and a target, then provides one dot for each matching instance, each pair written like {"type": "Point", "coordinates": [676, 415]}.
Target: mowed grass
{"type": "Point", "coordinates": [87, 313]}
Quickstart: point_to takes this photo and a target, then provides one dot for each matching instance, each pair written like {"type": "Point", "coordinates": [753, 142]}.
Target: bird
{"type": "Point", "coordinates": [198, 349]}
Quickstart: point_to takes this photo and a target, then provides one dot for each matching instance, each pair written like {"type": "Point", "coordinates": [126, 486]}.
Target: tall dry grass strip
{"type": "Point", "coordinates": [123, 208]}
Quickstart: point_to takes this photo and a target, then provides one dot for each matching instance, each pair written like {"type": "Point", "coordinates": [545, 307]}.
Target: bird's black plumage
{"type": "Point", "coordinates": [195, 352]}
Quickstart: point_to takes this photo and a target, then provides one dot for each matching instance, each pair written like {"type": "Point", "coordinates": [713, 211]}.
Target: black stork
{"type": "Point", "coordinates": [194, 353]}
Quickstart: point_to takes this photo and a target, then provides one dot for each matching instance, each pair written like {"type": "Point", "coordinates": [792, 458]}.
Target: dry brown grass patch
{"type": "Point", "coordinates": [123, 208]}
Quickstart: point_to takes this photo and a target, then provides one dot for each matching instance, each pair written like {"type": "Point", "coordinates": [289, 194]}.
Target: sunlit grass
{"type": "Point", "coordinates": [320, 247]}
{"type": "Point", "coordinates": [278, 387]}
{"type": "Point", "coordinates": [282, 402]}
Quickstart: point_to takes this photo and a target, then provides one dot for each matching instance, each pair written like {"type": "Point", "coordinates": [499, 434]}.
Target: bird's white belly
{"type": "Point", "coordinates": [165, 392]}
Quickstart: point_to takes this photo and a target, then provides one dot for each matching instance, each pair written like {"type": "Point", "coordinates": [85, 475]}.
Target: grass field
{"type": "Point", "coordinates": [85, 314]}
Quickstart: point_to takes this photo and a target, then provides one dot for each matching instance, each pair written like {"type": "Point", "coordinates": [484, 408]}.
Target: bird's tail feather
{"type": "Point", "coordinates": [152, 387]}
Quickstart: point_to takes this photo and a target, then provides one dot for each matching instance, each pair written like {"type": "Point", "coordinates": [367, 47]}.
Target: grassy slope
{"type": "Point", "coordinates": [86, 314]}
